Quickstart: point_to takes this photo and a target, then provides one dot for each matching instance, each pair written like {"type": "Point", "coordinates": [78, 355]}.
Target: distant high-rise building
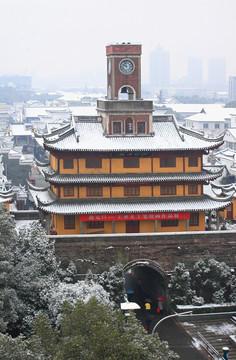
{"type": "Point", "coordinates": [217, 73]}
{"type": "Point", "coordinates": [159, 68]}
{"type": "Point", "coordinates": [17, 81]}
{"type": "Point", "coordinates": [194, 77]}
{"type": "Point", "coordinates": [232, 88]}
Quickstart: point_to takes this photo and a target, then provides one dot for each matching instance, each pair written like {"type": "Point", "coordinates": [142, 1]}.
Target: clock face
{"type": "Point", "coordinates": [126, 66]}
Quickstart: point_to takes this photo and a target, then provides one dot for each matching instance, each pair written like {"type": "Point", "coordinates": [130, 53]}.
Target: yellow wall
{"type": "Point", "coordinates": [201, 226]}
{"type": "Point", "coordinates": [146, 226]}
{"type": "Point", "coordinates": [120, 227]}
{"type": "Point", "coordinates": [59, 226]}
{"type": "Point", "coordinates": [54, 190]}
{"type": "Point", "coordinates": [53, 162]}
{"type": "Point", "coordinates": [234, 208]}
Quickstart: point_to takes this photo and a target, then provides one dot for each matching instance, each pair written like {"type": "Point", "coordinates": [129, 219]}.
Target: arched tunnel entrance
{"type": "Point", "coordinates": [146, 280]}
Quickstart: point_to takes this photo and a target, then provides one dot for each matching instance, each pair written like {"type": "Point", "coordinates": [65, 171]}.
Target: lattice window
{"type": "Point", "coordinates": [168, 162]}
{"type": "Point", "coordinates": [93, 163]}
{"type": "Point", "coordinates": [68, 191]}
{"type": "Point", "coordinates": [69, 222]}
{"type": "Point", "coordinates": [131, 162]}
{"type": "Point", "coordinates": [94, 191]}
{"type": "Point", "coordinates": [131, 190]}
{"type": "Point", "coordinates": [168, 190]}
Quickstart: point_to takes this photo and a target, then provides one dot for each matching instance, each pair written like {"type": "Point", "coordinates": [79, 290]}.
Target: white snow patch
{"type": "Point", "coordinates": [188, 324]}
{"type": "Point", "coordinates": [222, 329]}
{"type": "Point", "coordinates": [197, 344]}
{"type": "Point", "coordinates": [23, 224]}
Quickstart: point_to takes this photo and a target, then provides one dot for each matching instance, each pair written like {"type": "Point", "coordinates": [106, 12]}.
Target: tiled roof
{"type": "Point", "coordinates": [167, 136]}
{"type": "Point", "coordinates": [56, 178]}
{"type": "Point", "coordinates": [126, 205]}
{"type": "Point", "coordinates": [6, 196]}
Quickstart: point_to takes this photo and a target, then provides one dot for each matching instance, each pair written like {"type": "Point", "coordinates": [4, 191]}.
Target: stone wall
{"type": "Point", "coordinates": [99, 252]}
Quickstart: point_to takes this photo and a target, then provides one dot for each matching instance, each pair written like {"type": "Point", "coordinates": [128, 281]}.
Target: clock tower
{"type": "Point", "coordinates": [124, 71]}
{"type": "Point", "coordinates": [124, 113]}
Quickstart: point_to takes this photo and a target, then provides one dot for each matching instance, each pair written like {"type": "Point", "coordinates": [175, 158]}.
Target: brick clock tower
{"type": "Point", "coordinates": [124, 112]}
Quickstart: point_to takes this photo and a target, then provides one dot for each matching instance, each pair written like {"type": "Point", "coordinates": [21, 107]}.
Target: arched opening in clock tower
{"type": "Point", "coordinates": [126, 93]}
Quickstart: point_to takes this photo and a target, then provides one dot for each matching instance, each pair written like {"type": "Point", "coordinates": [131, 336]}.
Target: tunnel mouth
{"type": "Point", "coordinates": [146, 281]}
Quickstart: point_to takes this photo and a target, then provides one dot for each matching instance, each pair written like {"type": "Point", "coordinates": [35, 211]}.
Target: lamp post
{"type": "Point", "coordinates": [168, 317]}
{"type": "Point", "coordinates": [225, 352]}
{"type": "Point", "coordinates": [128, 306]}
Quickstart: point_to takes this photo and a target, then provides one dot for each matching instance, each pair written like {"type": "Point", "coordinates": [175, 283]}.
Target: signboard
{"type": "Point", "coordinates": [136, 216]}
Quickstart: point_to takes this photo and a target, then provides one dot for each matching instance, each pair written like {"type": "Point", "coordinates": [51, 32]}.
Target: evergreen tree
{"type": "Point", "coordinates": [212, 280]}
{"type": "Point", "coordinates": [180, 285]}
{"type": "Point", "coordinates": [113, 281]}
{"type": "Point", "coordinates": [91, 331]}
{"type": "Point", "coordinates": [8, 298]}
{"type": "Point", "coordinates": [35, 272]}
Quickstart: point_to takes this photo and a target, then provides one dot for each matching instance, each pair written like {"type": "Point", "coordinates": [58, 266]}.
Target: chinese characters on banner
{"type": "Point", "coordinates": [137, 216]}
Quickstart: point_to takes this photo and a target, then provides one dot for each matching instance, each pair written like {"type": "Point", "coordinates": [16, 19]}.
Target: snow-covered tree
{"type": "Point", "coordinates": [113, 281]}
{"type": "Point", "coordinates": [8, 298]}
{"type": "Point", "coordinates": [69, 274]}
{"type": "Point", "coordinates": [212, 280]}
{"type": "Point", "coordinates": [71, 293]}
{"type": "Point", "coordinates": [232, 296]}
{"type": "Point", "coordinates": [180, 285]}
{"type": "Point", "coordinates": [35, 271]}
{"type": "Point", "coordinates": [198, 278]}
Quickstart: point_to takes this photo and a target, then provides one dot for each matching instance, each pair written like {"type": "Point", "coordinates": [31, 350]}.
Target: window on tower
{"type": "Point", "coordinates": [141, 127]}
{"type": "Point", "coordinates": [116, 127]}
{"type": "Point", "coordinates": [129, 126]}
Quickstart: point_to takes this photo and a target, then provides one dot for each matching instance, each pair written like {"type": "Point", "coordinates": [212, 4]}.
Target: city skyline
{"type": "Point", "coordinates": [66, 39]}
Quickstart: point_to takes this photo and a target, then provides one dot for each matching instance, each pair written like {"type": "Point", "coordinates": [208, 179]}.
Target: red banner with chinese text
{"type": "Point", "coordinates": [136, 216]}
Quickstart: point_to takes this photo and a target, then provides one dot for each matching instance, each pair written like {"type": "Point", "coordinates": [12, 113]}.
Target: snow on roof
{"type": "Point", "coordinates": [197, 108]}
{"type": "Point", "coordinates": [83, 110]}
{"type": "Point", "coordinates": [232, 131]}
{"type": "Point", "coordinates": [226, 153]}
{"type": "Point", "coordinates": [53, 177]}
{"type": "Point", "coordinates": [36, 112]}
{"type": "Point", "coordinates": [78, 96]}
{"type": "Point", "coordinates": [47, 202]}
{"type": "Point", "coordinates": [211, 115]}
{"type": "Point", "coordinates": [89, 136]}
{"type": "Point", "coordinates": [20, 130]}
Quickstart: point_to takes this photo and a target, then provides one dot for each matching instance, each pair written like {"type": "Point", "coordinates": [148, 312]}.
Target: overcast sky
{"type": "Point", "coordinates": [59, 38]}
